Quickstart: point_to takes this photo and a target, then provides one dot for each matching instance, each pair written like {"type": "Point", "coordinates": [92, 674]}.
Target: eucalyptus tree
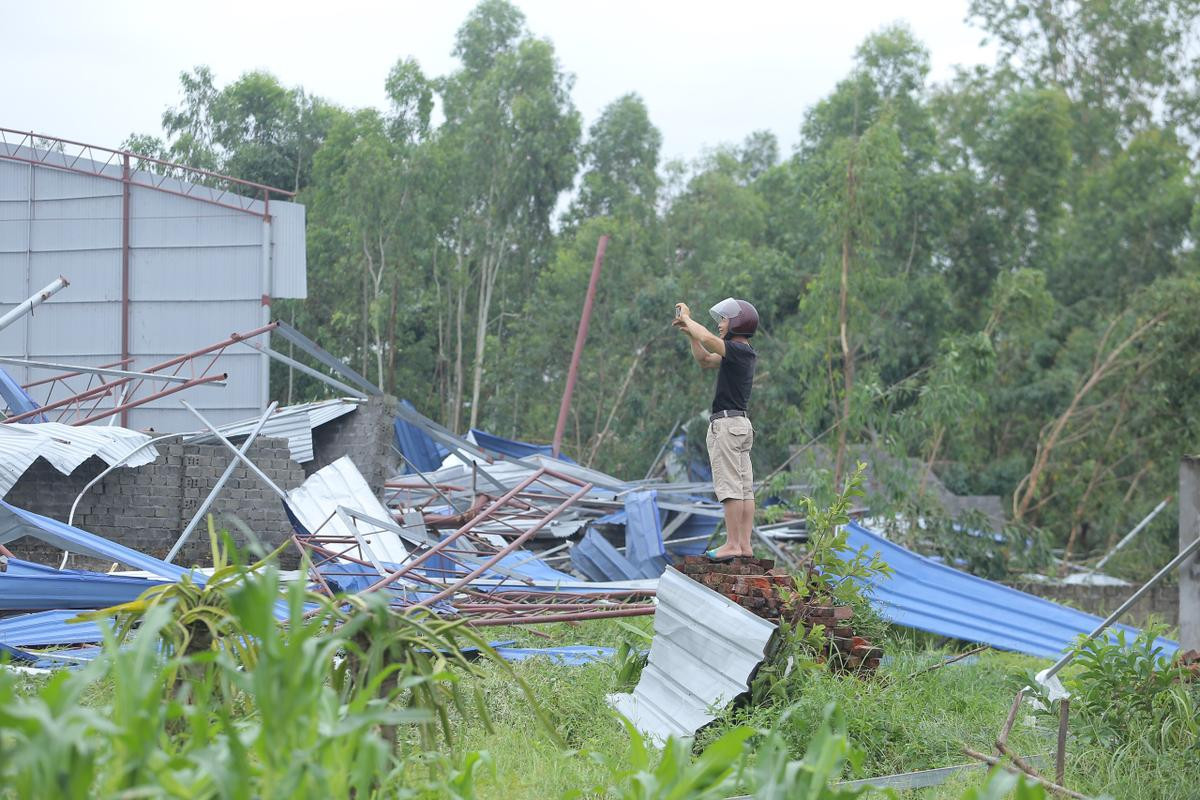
{"type": "Point", "coordinates": [508, 146]}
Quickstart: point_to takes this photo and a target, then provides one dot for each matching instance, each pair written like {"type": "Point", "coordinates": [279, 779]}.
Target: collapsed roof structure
{"type": "Point", "coordinates": [478, 527]}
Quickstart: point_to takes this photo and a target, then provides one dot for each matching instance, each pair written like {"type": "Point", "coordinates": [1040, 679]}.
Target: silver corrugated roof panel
{"type": "Point", "coordinates": [294, 423]}
{"type": "Point", "coordinates": [66, 447]}
{"type": "Point", "coordinates": [316, 501]}
{"type": "Point", "coordinates": [289, 278]}
{"type": "Point", "coordinates": [328, 411]}
{"type": "Point", "coordinates": [705, 651]}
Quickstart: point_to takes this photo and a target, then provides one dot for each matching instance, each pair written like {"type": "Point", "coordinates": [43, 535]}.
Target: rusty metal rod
{"type": "Point", "coordinates": [106, 388]}
{"type": "Point", "coordinates": [1060, 754]}
{"type": "Point", "coordinates": [512, 546]}
{"type": "Point", "coordinates": [149, 398]}
{"type": "Point", "coordinates": [580, 337]}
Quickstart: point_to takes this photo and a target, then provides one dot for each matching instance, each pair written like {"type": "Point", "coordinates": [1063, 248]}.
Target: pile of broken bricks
{"type": "Point", "coordinates": [770, 592]}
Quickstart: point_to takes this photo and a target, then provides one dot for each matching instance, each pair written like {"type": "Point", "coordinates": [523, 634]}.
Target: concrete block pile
{"type": "Point", "coordinates": [770, 592]}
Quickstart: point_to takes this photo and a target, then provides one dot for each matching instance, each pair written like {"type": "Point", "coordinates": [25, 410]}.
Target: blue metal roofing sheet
{"type": "Point", "coordinates": [17, 522]}
{"type": "Point", "coordinates": [29, 590]}
{"type": "Point", "coordinates": [46, 628]}
{"type": "Point", "coordinates": [17, 399]}
{"type": "Point", "coordinates": [417, 446]}
{"type": "Point", "coordinates": [513, 447]}
{"type": "Point", "coordinates": [933, 597]}
{"type": "Point", "coordinates": [600, 561]}
{"type": "Point", "coordinates": [643, 533]}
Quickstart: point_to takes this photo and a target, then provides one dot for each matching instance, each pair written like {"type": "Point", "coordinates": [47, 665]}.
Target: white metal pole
{"type": "Point", "coordinates": [1129, 536]}
{"type": "Point", "coordinates": [250, 464]}
{"type": "Point", "coordinates": [1189, 532]}
{"type": "Point", "coordinates": [1188, 551]}
{"type": "Point", "coordinates": [264, 363]}
{"type": "Point", "coordinates": [233, 463]}
{"type": "Point", "coordinates": [25, 306]}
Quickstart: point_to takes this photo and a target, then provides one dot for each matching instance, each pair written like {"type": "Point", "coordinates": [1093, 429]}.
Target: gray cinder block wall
{"type": "Point", "coordinates": [366, 435]}
{"type": "Point", "coordinates": [147, 507]}
{"type": "Point", "coordinates": [1160, 604]}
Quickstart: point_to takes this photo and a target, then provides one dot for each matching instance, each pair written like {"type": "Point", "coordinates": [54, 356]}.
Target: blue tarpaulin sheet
{"type": "Point", "coordinates": [17, 399]}
{"type": "Point", "coordinates": [643, 534]}
{"type": "Point", "coordinates": [512, 447]}
{"type": "Point", "coordinates": [417, 446]}
{"type": "Point", "coordinates": [933, 597]}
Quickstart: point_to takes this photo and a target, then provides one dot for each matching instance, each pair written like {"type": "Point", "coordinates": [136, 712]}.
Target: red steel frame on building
{"type": "Point", "coordinates": [54, 152]}
{"type": "Point", "coordinates": [85, 405]}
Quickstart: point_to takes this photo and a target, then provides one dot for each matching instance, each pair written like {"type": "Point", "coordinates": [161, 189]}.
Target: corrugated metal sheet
{"type": "Point", "coordinates": [294, 423]}
{"type": "Point", "coordinates": [17, 522]}
{"type": "Point", "coordinates": [705, 651]}
{"type": "Point", "coordinates": [47, 628]}
{"type": "Point", "coordinates": [315, 503]}
{"type": "Point", "coordinates": [929, 596]}
{"type": "Point", "coordinates": [208, 273]}
{"type": "Point", "coordinates": [643, 533]}
{"type": "Point", "coordinates": [329, 410]}
{"type": "Point", "coordinates": [67, 447]}
{"type": "Point", "coordinates": [195, 275]}
{"type": "Point", "coordinates": [61, 330]}
{"type": "Point", "coordinates": [600, 561]}
{"type": "Point", "coordinates": [68, 590]}
{"type": "Point", "coordinates": [289, 278]}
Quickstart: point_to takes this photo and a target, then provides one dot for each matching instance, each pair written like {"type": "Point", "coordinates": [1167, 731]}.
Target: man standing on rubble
{"type": "Point", "coordinates": [730, 434]}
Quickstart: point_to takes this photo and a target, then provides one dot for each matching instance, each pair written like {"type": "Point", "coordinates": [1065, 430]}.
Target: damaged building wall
{"type": "Point", "coordinates": [1160, 604]}
{"type": "Point", "coordinates": [147, 507]}
{"type": "Point", "coordinates": [366, 435]}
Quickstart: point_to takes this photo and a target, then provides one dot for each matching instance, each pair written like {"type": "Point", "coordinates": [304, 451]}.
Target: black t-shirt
{"type": "Point", "coordinates": [735, 378]}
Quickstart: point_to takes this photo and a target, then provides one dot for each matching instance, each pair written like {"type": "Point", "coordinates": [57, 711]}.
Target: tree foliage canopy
{"type": "Point", "coordinates": [994, 276]}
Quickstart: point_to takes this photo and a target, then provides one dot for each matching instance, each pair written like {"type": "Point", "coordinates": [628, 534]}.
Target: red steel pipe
{"type": "Point", "coordinates": [510, 547]}
{"type": "Point", "coordinates": [125, 214]}
{"type": "Point", "coordinates": [106, 388]}
{"type": "Point", "coordinates": [179, 387]}
{"type": "Point", "coordinates": [580, 337]}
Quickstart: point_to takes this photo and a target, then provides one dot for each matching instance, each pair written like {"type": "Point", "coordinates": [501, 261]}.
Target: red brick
{"type": "Point", "coordinates": [843, 612]}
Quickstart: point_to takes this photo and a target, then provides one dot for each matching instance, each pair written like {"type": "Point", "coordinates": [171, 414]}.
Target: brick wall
{"type": "Point", "coordinates": [366, 435]}
{"type": "Point", "coordinates": [146, 508]}
{"type": "Point", "coordinates": [1161, 602]}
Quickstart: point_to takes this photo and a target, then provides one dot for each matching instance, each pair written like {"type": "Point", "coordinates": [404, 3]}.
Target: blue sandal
{"type": "Point", "coordinates": [713, 557]}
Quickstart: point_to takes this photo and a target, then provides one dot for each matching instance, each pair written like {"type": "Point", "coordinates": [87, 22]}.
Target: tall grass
{"type": "Point", "coordinates": [341, 701]}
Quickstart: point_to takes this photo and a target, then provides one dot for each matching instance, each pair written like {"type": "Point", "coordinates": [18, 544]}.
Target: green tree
{"type": "Point", "coordinates": [508, 144]}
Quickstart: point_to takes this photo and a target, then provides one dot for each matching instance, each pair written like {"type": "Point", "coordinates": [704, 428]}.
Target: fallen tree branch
{"type": "Point", "coordinates": [996, 762]}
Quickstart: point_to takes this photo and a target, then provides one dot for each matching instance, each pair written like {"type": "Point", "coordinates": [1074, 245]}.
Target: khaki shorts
{"type": "Point", "coordinates": [729, 443]}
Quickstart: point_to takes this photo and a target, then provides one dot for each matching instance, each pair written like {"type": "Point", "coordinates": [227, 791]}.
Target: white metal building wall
{"type": "Point", "coordinates": [196, 276]}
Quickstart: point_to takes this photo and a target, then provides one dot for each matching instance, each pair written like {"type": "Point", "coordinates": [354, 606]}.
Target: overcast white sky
{"type": "Point", "coordinates": [710, 72]}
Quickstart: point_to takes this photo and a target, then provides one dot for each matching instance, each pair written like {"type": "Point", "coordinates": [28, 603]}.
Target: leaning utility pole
{"type": "Point", "coordinates": [580, 337]}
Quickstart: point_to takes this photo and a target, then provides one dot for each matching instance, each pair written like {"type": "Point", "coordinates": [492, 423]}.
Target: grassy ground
{"type": "Point", "coordinates": [901, 719]}
{"type": "Point", "coordinates": [902, 723]}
